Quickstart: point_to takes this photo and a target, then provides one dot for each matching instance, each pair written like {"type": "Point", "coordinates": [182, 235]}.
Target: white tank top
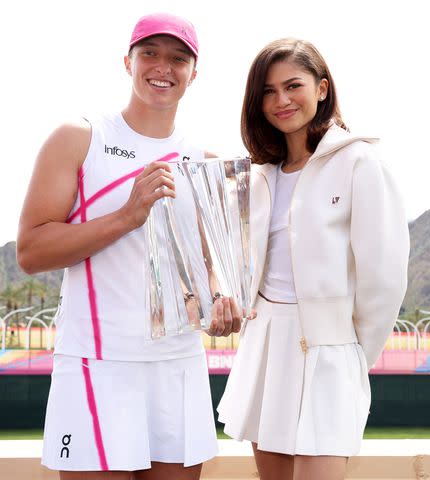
{"type": "Point", "coordinates": [103, 302]}
{"type": "Point", "coordinates": [278, 280]}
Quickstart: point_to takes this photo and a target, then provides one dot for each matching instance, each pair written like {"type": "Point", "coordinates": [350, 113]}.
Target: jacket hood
{"type": "Point", "coordinates": [334, 139]}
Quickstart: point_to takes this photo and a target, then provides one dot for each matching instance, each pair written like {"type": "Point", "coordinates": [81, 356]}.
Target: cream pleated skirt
{"type": "Point", "coordinates": [289, 402]}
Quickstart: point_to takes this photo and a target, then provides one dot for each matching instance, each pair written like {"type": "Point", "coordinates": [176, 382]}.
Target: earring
{"type": "Point", "coordinates": [322, 98]}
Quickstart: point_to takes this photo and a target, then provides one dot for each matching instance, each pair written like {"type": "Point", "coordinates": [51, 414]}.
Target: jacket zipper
{"type": "Point", "coordinates": [303, 344]}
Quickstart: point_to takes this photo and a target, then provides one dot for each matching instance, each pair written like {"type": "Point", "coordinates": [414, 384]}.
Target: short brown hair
{"type": "Point", "coordinates": [265, 143]}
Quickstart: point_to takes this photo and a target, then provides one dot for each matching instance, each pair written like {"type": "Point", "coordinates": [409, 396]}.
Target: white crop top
{"type": "Point", "coordinates": [278, 282]}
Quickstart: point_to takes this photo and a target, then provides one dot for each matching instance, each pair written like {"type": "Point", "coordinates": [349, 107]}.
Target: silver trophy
{"type": "Point", "coordinates": [198, 245]}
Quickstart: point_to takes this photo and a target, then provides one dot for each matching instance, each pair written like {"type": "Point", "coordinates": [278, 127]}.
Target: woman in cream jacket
{"type": "Point", "coordinates": [330, 247]}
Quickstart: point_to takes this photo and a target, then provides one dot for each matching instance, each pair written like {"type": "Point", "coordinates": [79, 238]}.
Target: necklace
{"type": "Point", "coordinates": [293, 166]}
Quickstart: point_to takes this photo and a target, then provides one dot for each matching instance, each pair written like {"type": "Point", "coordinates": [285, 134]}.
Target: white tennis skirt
{"type": "Point", "coordinates": [289, 402]}
{"type": "Point", "coordinates": [110, 415]}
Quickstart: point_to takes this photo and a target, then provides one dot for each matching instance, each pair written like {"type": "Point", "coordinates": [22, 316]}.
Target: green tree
{"type": "Point", "coordinates": [32, 287]}
{"type": "Point", "coordinates": [35, 293]}
{"type": "Point", "coordinates": [12, 297]}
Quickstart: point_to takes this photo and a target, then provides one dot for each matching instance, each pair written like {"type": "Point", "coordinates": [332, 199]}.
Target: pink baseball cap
{"type": "Point", "coordinates": [166, 24]}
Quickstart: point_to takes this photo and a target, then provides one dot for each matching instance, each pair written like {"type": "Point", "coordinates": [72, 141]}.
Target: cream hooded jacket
{"type": "Point", "coordinates": [349, 242]}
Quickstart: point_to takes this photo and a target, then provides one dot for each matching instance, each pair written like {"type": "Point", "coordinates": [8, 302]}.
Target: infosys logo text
{"type": "Point", "coordinates": [120, 152]}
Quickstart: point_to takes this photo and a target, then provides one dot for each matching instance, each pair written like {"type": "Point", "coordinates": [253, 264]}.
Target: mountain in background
{"type": "Point", "coordinates": [417, 295]}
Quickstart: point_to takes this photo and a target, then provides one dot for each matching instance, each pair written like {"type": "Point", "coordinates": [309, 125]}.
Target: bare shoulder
{"type": "Point", "coordinates": [69, 142]}
{"type": "Point", "coordinates": [54, 183]}
{"type": "Point", "coordinates": [55, 173]}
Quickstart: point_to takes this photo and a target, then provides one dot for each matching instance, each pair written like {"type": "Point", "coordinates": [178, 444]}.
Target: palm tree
{"type": "Point", "coordinates": [12, 296]}
{"type": "Point", "coordinates": [32, 287]}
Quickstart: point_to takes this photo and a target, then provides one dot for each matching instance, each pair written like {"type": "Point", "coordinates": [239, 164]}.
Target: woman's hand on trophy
{"type": "Point", "coordinates": [252, 315]}
{"type": "Point", "coordinates": [155, 182]}
{"type": "Point", "coordinates": [225, 317]}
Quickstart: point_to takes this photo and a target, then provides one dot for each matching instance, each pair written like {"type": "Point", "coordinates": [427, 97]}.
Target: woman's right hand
{"type": "Point", "coordinates": [155, 182]}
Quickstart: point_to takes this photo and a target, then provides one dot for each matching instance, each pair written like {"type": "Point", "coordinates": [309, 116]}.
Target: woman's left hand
{"type": "Point", "coordinates": [226, 318]}
{"type": "Point", "coordinates": [252, 315]}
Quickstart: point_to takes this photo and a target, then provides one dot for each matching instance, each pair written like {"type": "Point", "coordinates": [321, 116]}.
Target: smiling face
{"type": "Point", "coordinates": [162, 68]}
{"type": "Point", "coordinates": [291, 96]}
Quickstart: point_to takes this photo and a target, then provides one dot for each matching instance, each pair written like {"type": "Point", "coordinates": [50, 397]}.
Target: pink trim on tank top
{"type": "Point", "coordinates": [89, 273]}
{"type": "Point", "coordinates": [94, 414]}
{"type": "Point", "coordinates": [116, 183]}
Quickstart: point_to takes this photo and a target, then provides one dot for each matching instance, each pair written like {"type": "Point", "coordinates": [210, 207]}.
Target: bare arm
{"type": "Point", "coordinates": [45, 240]}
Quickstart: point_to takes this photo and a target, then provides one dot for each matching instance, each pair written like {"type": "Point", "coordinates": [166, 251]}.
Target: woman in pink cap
{"type": "Point", "coordinates": [330, 250]}
{"type": "Point", "coordinates": [120, 403]}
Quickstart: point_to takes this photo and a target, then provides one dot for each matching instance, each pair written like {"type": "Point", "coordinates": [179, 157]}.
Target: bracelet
{"type": "Point", "coordinates": [216, 296]}
{"type": "Point", "coordinates": [188, 296]}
